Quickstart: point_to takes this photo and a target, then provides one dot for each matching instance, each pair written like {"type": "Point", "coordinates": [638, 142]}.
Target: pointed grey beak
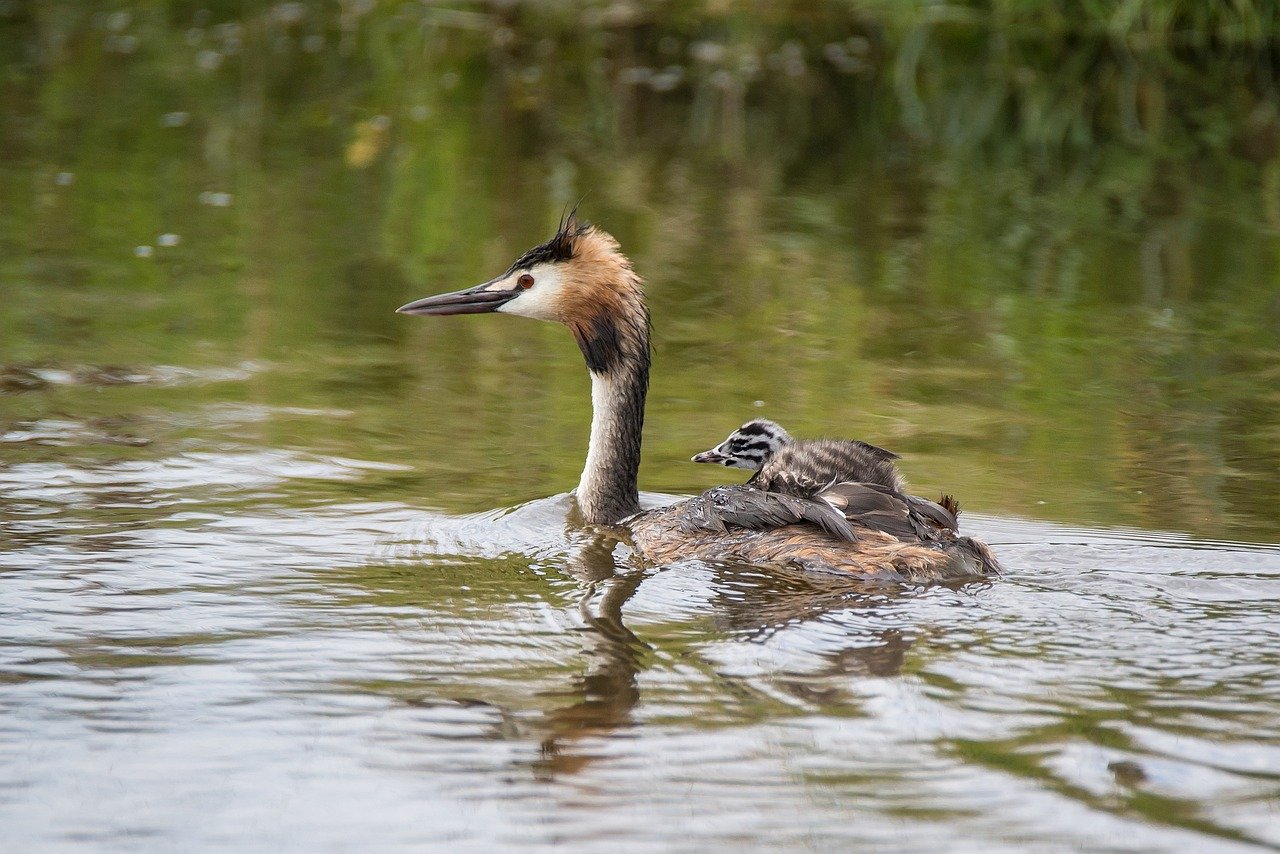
{"type": "Point", "coordinates": [711, 456]}
{"type": "Point", "coordinates": [477, 300]}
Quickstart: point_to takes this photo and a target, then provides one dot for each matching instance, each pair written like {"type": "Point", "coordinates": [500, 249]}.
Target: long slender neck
{"type": "Point", "coordinates": [619, 366]}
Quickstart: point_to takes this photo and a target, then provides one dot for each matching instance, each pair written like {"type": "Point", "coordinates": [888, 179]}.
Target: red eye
{"type": "Point", "coordinates": [525, 281]}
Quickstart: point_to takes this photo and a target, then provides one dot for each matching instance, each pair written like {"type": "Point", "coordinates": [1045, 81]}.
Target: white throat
{"type": "Point", "coordinates": [602, 428]}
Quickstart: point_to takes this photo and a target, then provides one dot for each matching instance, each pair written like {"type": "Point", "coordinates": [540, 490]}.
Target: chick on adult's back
{"type": "Point", "coordinates": [857, 478]}
{"type": "Point", "coordinates": [802, 467]}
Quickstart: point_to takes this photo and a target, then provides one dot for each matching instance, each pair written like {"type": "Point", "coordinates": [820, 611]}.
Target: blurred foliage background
{"type": "Point", "coordinates": [1030, 244]}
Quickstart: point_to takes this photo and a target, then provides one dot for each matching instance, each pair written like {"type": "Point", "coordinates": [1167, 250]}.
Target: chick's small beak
{"type": "Point", "coordinates": [477, 300]}
{"type": "Point", "coordinates": [711, 456]}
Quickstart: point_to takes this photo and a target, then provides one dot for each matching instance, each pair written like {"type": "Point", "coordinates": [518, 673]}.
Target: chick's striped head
{"type": "Point", "coordinates": [748, 447]}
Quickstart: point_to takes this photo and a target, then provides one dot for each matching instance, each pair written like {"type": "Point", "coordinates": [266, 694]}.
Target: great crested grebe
{"type": "Point", "coordinates": [581, 279]}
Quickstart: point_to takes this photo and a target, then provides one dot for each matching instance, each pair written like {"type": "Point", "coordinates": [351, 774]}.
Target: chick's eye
{"type": "Point", "coordinates": [525, 281]}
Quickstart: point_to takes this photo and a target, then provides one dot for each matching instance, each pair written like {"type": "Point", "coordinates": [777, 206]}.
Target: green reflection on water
{"type": "Point", "coordinates": [1055, 298]}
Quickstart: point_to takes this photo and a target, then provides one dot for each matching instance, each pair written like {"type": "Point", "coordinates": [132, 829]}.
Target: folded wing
{"type": "Point", "coordinates": [840, 509]}
{"type": "Point", "coordinates": [747, 507]}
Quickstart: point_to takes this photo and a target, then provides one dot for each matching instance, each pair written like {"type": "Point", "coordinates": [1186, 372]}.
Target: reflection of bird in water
{"type": "Point", "coordinates": [581, 279]}
{"type": "Point", "coordinates": [750, 606]}
{"type": "Point", "coordinates": [601, 699]}
{"type": "Point", "coordinates": [871, 638]}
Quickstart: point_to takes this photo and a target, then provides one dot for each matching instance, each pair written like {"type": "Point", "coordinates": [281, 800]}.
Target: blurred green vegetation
{"type": "Point", "coordinates": [1031, 245]}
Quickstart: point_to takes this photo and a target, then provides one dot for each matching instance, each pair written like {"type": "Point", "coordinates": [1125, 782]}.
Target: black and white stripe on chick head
{"type": "Point", "coordinates": [748, 447]}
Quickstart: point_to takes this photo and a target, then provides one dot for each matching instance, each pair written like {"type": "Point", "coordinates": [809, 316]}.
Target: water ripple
{"type": "Point", "coordinates": [485, 672]}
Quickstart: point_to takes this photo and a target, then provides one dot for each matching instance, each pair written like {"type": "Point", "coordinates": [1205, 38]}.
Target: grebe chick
{"type": "Point", "coordinates": [802, 467]}
{"type": "Point", "coordinates": [805, 468]}
{"type": "Point", "coordinates": [581, 279]}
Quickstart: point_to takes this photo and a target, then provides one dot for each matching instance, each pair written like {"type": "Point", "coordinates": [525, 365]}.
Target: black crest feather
{"type": "Point", "coordinates": [561, 247]}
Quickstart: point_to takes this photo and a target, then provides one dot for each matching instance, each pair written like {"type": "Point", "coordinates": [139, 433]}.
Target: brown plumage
{"type": "Point", "coordinates": [866, 528]}
{"type": "Point", "coordinates": [660, 539]}
{"type": "Point", "coordinates": [582, 280]}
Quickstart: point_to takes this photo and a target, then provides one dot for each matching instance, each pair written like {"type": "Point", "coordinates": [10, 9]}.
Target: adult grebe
{"type": "Point", "coordinates": [581, 279]}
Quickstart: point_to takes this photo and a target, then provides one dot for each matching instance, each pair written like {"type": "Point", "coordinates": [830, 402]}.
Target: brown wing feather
{"type": "Point", "coordinates": [744, 506]}
{"type": "Point", "coordinates": [939, 515]}
{"type": "Point", "coordinates": [870, 505]}
{"type": "Point", "coordinates": [874, 506]}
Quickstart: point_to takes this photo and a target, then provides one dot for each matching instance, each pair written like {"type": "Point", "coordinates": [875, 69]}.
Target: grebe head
{"type": "Point", "coordinates": [579, 278]}
{"type": "Point", "coordinates": [748, 447]}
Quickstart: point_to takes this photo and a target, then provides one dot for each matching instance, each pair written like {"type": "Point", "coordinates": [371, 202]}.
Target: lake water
{"type": "Point", "coordinates": [281, 569]}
